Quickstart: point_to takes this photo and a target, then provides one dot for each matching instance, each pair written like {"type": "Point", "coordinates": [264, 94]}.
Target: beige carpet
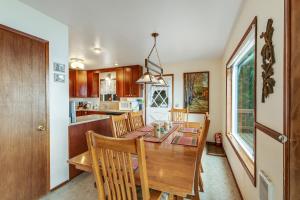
{"type": "Point", "coordinates": [218, 184]}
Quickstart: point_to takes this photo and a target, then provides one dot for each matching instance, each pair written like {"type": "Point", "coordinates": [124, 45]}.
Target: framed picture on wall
{"type": "Point", "coordinates": [196, 92]}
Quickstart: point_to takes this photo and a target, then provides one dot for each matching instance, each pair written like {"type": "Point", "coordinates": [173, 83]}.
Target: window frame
{"type": "Point", "coordinates": [248, 162]}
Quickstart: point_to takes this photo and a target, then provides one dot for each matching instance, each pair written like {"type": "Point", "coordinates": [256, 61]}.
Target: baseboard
{"type": "Point", "coordinates": [234, 176]}
{"type": "Point", "coordinates": [59, 186]}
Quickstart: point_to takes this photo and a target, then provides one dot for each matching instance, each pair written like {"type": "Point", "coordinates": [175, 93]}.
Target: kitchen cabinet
{"type": "Point", "coordinates": [92, 84]}
{"type": "Point", "coordinates": [77, 139]}
{"type": "Point", "coordinates": [119, 82]}
{"type": "Point", "coordinates": [77, 83]}
{"type": "Point", "coordinates": [85, 83]}
{"type": "Point", "coordinates": [130, 87]}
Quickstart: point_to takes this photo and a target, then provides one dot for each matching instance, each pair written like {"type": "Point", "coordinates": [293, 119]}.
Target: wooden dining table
{"type": "Point", "coordinates": [170, 167]}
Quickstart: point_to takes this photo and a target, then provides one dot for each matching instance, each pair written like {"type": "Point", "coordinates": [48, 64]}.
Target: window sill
{"type": "Point", "coordinates": [246, 161]}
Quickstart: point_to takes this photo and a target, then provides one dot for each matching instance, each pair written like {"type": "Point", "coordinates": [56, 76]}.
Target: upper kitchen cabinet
{"type": "Point", "coordinates": [92, 84]}
{"type": "Point", "coordinates": [131, 75]}
{"type": "Point", "coordinates": [77, 83]}
{"type": "Point", "coordinates": [120, 82]}
{"type": "Point", "coordinates": [83, 83]}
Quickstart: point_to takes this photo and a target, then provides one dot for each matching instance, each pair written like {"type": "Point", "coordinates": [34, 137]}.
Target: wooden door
{"type": "Point", "coordinates": [24, 150]}
{"type": "Point", "coordinates": [292, 103]}
{"type": "Point", "coordinates": [127, 81]}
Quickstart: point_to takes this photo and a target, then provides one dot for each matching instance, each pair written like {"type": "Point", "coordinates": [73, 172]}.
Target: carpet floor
{"type": "Point", "coordinates": [217, 177]}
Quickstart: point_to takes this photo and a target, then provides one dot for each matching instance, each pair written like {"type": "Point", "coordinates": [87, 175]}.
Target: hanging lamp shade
{"type": "Point", "coordinates": [147, 78]}
{"type": "Point", "coordinates": [161, 82]}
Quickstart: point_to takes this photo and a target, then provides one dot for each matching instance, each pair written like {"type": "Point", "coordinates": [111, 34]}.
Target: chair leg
{"type": "Point", "coordinates": [201, 168]}
{"type": "Point", "coordinates": [201, 183]}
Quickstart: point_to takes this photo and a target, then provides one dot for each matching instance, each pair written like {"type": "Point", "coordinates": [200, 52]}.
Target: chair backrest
{"type": "Point", "coordinates": [136, 120]}
{"type": "Point", "coordinates": [179, 114]}
{"type": "Point", "coordinates": [200, 148]}
{"type": "Point", "coordinates": [120, 125]}
{"type": "Point", "coordinates": [113, 168]}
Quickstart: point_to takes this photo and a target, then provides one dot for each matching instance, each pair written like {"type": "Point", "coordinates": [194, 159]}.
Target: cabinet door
{"type": "Point", "coordinates": [136, 90]}
{"type": "Point", "coordinates": [127, 81]}
{"type": "Point", "coordinates": [92, 84]}
{"type": "Point", "coordinates": [119, 82]}
{"type": "Point", "coordinates": [72, 82]}
{"type": "Point", "coordinates": [81, 83]}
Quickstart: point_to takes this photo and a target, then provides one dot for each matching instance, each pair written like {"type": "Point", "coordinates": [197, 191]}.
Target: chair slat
{"type": "Point", "coordinates": [136, 120]}
{"type": "Point", "coordinates": [120, 125]}
{"type": "Point", "coordinates": [113, 168]}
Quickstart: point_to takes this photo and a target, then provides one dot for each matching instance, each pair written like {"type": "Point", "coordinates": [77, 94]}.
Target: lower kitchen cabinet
{"type": "Point", "coordinates": [77, 139]}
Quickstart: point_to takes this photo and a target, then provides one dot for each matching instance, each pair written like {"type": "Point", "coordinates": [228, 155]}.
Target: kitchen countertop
{"type": "Point", "coordinates": [104, 110]}
{"type": "Point", "coordinates": [89, 118]}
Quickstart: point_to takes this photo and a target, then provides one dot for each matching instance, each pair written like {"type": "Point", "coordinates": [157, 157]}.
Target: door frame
{"type": "Point", "coordinates": [145, 94]}
{"type": "Point", "coordinates": [46, 43]}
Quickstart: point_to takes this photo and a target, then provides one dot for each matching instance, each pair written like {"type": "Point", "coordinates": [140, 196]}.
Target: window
{"type": "Point", "coordinates": [159, 98]}
{"type": "Point", "coordinates": [241, 100]}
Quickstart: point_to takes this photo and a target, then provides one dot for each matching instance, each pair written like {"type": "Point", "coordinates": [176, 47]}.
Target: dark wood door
{"type": "Point", "coordinates": [292, 103]}
{"type": "Point", "coordinates": [24, 150]}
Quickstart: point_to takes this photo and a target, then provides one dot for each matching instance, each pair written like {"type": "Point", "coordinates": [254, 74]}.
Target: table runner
{"type": "Point", "coordinates": [151, 138]}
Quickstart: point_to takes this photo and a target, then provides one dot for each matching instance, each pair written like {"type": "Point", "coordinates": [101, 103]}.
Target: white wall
{"type": "Point", "coordinates": [21, 17]}
{"type": "Point", "coordinates": [215, 86]}
{"type": "Point", "coordinates": [270, 114]}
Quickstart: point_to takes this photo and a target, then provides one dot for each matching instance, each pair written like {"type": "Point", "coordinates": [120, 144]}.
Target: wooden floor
{"type": "Point", "coordinates": [218, 184]}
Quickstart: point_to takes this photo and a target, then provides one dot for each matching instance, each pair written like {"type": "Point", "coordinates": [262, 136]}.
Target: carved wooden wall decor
{"type": "Point", "coordinates": [268, 59]}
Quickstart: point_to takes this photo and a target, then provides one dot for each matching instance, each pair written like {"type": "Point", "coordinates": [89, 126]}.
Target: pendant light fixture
{"type": "Point", "coordinates": [148, 77]}
{"type": "Point", "coordinates": [77, 63]}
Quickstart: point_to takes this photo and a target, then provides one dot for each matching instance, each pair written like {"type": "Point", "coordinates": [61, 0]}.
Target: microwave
{"type": "Point", "coordinates": [129, 105]}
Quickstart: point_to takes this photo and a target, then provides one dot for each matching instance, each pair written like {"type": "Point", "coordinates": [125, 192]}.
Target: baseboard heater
{"type": "Point", "coordinates": [266, 188]}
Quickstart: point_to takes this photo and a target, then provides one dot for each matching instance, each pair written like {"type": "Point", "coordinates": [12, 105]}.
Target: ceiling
{"type": "Point", "coordinates": [189, 30]}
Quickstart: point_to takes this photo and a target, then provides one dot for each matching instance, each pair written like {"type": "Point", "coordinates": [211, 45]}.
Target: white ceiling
{"type": "Point", "coordinates": [193, 29]}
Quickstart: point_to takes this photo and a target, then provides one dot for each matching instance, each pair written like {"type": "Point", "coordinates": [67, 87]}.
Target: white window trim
{"type": "Point", "coordinates": [248, 44]}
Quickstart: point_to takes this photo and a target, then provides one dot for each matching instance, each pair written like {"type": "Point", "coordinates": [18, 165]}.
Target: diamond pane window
{"type": "Point", "coordinates": [159, 99]}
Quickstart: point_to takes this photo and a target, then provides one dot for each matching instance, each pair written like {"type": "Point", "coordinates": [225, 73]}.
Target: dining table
{"type": "Point", "coordinates": [170, 167]}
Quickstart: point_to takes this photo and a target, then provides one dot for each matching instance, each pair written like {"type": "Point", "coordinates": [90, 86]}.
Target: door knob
{"type": "Point", "coordinates": [41, 128]}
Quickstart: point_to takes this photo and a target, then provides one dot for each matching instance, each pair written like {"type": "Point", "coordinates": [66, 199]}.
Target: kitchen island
{"type": "Point", "coordinates": [101, 124]}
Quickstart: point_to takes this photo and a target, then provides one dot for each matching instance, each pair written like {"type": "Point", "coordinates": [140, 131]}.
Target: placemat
{"type": "Point", "coordinates": [146, 129]}
{"type": "Point", "coordinates": [184, 140]}
{"type": "Point", "coordinates": [188, 130]}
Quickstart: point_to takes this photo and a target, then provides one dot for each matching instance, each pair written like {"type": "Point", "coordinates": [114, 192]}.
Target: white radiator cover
{"type": "Point", "coordinates": [266, 188]}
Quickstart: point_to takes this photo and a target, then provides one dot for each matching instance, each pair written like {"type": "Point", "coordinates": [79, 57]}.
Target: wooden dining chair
{"type": "Point", "coordinates": [120, 125]}
{"type": "Point", "coordinates": [136, 120]}
{"type": "Point", "coordinates": [198, 183]}
{"type": "Point", "coordinates": [200, 149]}
{"type": "Point", "coordinates": [179, 114]}
{"type": "Point", "coordinates": [206, 117]}
{"type": "Point", "coordinates": [113, 169]}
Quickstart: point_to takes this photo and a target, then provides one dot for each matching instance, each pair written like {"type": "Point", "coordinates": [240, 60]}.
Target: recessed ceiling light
{"type": "Point", "coordinates": [116, 64]}
{"type": "Point", "coordinates": [97, 50]}
{"type": "Point", "coordinates": [77, 63]}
